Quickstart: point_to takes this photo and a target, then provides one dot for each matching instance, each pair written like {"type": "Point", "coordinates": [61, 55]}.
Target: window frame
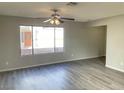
{"type": "Point", "coordinates": [55, 52]}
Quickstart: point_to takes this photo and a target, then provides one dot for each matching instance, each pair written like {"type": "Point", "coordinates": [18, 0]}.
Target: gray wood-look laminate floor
{"type": "Point", "coordinates": [82, 74]}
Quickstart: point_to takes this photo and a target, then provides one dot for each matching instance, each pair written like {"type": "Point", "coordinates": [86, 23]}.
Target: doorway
{"type": "Point", "coordinates": [100, 37]}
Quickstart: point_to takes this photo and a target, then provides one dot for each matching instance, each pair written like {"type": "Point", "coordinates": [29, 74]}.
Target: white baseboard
{"type": "Point", "coordinates": [114, 68]}
{"type": "Point", "coordinates": [11, 69]}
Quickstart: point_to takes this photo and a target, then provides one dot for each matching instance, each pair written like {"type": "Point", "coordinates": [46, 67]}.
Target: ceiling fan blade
{"type": "Point", "coordinates": [46, 20]}
{"type": "Point", "coordinates": [61, 21]}
{"type": "Point", "coordinates": [71, 19]}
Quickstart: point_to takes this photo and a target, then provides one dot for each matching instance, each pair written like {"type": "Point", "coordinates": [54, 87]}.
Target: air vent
{"type": "Point", "coordinates": [72, 3]}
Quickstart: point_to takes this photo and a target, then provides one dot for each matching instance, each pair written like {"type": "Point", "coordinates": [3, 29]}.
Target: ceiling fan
{"type": "Point", "coordinates": [57, 19]}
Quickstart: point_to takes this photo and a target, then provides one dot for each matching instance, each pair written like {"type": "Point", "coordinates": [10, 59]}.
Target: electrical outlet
{"type": "Point", "coordinates": [7, 63]}
{"type": "Point", "coordinates": [72, 55]}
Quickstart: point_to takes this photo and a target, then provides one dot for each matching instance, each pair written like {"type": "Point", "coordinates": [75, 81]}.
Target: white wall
{"type": "Point", "coordinates": [115, 41]}
{"type": "Point", "coordinates": [78, 40]}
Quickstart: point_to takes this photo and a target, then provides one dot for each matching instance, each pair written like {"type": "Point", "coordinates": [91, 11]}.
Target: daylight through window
{"type": "Point", "coordinates": [38, 40]}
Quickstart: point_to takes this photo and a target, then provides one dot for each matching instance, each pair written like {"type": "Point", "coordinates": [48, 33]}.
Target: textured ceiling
{"type": "Point", "coordinates": [81, 12]}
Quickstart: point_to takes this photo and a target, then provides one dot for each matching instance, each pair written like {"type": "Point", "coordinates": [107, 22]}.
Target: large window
{"type": "Point", "coordinates": [38, 40]}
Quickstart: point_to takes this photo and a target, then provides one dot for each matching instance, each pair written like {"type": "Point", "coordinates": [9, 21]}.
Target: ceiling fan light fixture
{"type": "Point", "coordinates": [52, 22]}
{"type": "Point", "coordinates": [57, 22]}
{"type": "Point", "coordinates": [56, 19]}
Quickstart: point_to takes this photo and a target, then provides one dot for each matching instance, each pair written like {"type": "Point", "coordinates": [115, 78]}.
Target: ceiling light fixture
{"type": "Point", "coordinates": [55, 21]}
{"type": "Point", "coordinates": [72, 3]}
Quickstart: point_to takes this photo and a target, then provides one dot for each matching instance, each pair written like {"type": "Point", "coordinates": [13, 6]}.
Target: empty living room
{"type": "Point", "coordinates": [61, 45]}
